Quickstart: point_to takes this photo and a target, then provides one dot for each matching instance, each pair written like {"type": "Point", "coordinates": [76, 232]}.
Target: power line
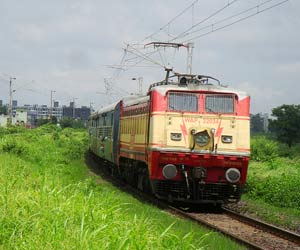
{"type": "Point", "coordinates": [182, 34]}
{"type": "Point", "coordinates": [239, 20]}
{"type": "Point", "coordinates": [226, 19]}
{"type": "Point", "coordinates": [144, 56]}
{"type": "Point", "coordinates": [172, 20]}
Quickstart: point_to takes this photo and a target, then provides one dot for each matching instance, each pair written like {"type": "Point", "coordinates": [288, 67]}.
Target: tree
{"type": "Point", "coordinates": [66, 122]}
{"type": "Point", "coordinates": [54, 120]}
{"type": "Point", "coordinates": [71, 123]}
{"type": "Point", "coordinates": [40, 122]}
{"type": "Point", "coordinates": [286, 126]}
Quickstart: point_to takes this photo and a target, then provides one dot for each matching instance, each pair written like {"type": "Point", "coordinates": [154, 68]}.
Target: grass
{"type": "Point", "coordinates": [48, 200]}
{"type": "Point", "coordinates": [288, 218]}
{"type": "Point", "coordinates": [273, 184]}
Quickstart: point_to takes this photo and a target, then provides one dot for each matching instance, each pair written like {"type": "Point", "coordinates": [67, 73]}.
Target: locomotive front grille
{"type": "Point", "coordinates": [198, 192]}
{"type": "Point", "coordinates": [165, 188]}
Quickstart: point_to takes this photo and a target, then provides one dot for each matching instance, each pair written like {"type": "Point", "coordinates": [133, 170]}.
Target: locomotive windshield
{"type": "Point", "coordinates": [183, 102]}
{"type": "Point", "coordinates": [189, 102]}
{"type": "Point", "coordinates": [219, 104]}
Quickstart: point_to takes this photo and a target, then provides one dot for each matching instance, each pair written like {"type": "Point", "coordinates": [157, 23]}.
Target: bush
{"type": "Point", "coordinates": [12, 145]}
{"type": "Point", "coordinates": [71, 123]}
{"type": "Point", "coordinates": [290, 152]}
{"type": "Point", "coordinates": [263, 149]}
{"type": "Point", "coordinates": [281, 191]}
{"type": "Point", "coordinates": [2, 131]}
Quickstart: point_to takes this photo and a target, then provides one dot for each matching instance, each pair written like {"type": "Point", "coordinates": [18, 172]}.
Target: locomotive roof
{"type": "Point", "coordinates": [163, 89]}
{"type": "Point", "coordinates": [189, 82]}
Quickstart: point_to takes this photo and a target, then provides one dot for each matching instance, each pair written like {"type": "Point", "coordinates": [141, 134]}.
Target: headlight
{"type": "Point", "coordinates": [232, 175]}
{"type": "Point", "coordinates": [176, 136]}
{"type": "Point", "coordinates": [202, 138]}
{"type": "Point", "coordinates": [169, 171]}
{"type": "Point", "coordinates": [226, 138]}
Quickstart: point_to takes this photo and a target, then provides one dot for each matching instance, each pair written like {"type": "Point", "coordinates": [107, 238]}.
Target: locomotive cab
{"type": "Point", "coordinates": [198, 140]}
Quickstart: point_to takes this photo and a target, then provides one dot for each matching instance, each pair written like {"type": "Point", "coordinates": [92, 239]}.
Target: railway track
{"type": "Point", "coordinates": [247, 231]}
{"type": "Point", "coordinates": [251, 233]}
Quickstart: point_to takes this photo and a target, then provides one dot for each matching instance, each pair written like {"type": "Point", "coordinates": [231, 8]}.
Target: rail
{"type": "Point", "coordinates": [249, 232]}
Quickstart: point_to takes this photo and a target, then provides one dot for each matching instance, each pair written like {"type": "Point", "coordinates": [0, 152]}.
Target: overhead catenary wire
{"type": "Point", "coordinates": [143, 55]}
{"type": "Point", "coordinates": [205, 19]}
{"type": "Point", "coordinates": [259, 11]}
{"type": "Point", "coordinates": [227, 18]}
{"type": "Point", "coordinates": [148, 55]}
{"type": "Point", "coordinates": [170, 21]}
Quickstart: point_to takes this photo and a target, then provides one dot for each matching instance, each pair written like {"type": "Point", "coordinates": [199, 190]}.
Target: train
{"type": "Point", "coordinates": [187, 140]}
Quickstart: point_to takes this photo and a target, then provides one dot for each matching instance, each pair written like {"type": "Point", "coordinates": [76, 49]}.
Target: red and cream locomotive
{"type": "Point", "coordinates": [187, 140]}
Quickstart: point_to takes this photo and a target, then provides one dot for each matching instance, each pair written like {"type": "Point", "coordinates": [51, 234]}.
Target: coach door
{"type": "Point", "coordinates": [116, 126]}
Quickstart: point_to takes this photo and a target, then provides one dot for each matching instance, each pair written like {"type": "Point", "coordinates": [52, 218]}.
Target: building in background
{"type": "Point", "coordinates": [82, 113]}
{"type": "Point", "coordinates": [14, 103]}
{"type": "Point", "coordinates": [259, 123]}
{"type": "Point", "coordinates": [19, 118]}
{"type": "Point", "coordinates": [41, 112]}
{"type": "Point", "coordinates": [37, 112]}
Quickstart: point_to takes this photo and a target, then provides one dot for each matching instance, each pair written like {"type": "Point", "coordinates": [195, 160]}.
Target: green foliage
{"type": "Point", "coordinates": [11, 130]}
{"type": "Point", "coordinates": [12, 145]}
{"type": "Point", "coordinates": [66, 122]}
{"type": "Point", "coordinates": [290, 152]}
{"type": "Point", "coordinates": [263, 149]}
{"type": "Point", "coordinates": [281, 191]}
{"type": "Point", "coordinates": [48, 200]}
{"type": "Point", "coordinates": [288, 218]}
{"type": "Point", "coordinates": [286, 126]}
{"type": "Point", "coordinates": [274, 173]}
{"type": "Point", "coordinates": [41, 122]}
{"type": "Point", "coordinates": [2, 131]}
{"type": "Point", "coordinates": [71, 123]}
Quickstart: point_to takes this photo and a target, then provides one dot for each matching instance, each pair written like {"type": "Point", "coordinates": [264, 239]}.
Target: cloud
{"type": "Point", "coordinates": [30, 33]}
{"type": "Point", "coordinates": [64, 45]}
{"type": "Point", "coordinates": [290, 68]}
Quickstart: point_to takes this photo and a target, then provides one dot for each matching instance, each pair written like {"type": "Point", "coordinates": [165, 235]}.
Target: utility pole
{"type": "Point", "coordinates": [190, 47]}
{"type": "Point", "coordinates": [51, 105]}
{"type": "Point", "coordinates": [10, 100]}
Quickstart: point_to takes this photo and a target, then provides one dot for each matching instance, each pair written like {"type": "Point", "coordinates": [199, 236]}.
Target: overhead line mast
{"type": "Point", "coordinates": [188, 46]}
{"type": "Point", "coordinates": [10, 99]}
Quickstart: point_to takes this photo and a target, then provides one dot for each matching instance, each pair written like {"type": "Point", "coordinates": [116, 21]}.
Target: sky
{"type": "Point", "coordinates": [73, 47]}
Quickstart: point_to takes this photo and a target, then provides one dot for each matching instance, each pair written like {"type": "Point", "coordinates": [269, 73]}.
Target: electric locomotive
{"type": "Point", "coordinates": [187, 140]}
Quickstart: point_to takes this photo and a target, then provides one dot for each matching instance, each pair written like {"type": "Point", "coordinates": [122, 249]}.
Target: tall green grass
{"type": "Point", "coordinates": [274, 173]}
{"type": "Point", "coordinates": [48, 200]}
